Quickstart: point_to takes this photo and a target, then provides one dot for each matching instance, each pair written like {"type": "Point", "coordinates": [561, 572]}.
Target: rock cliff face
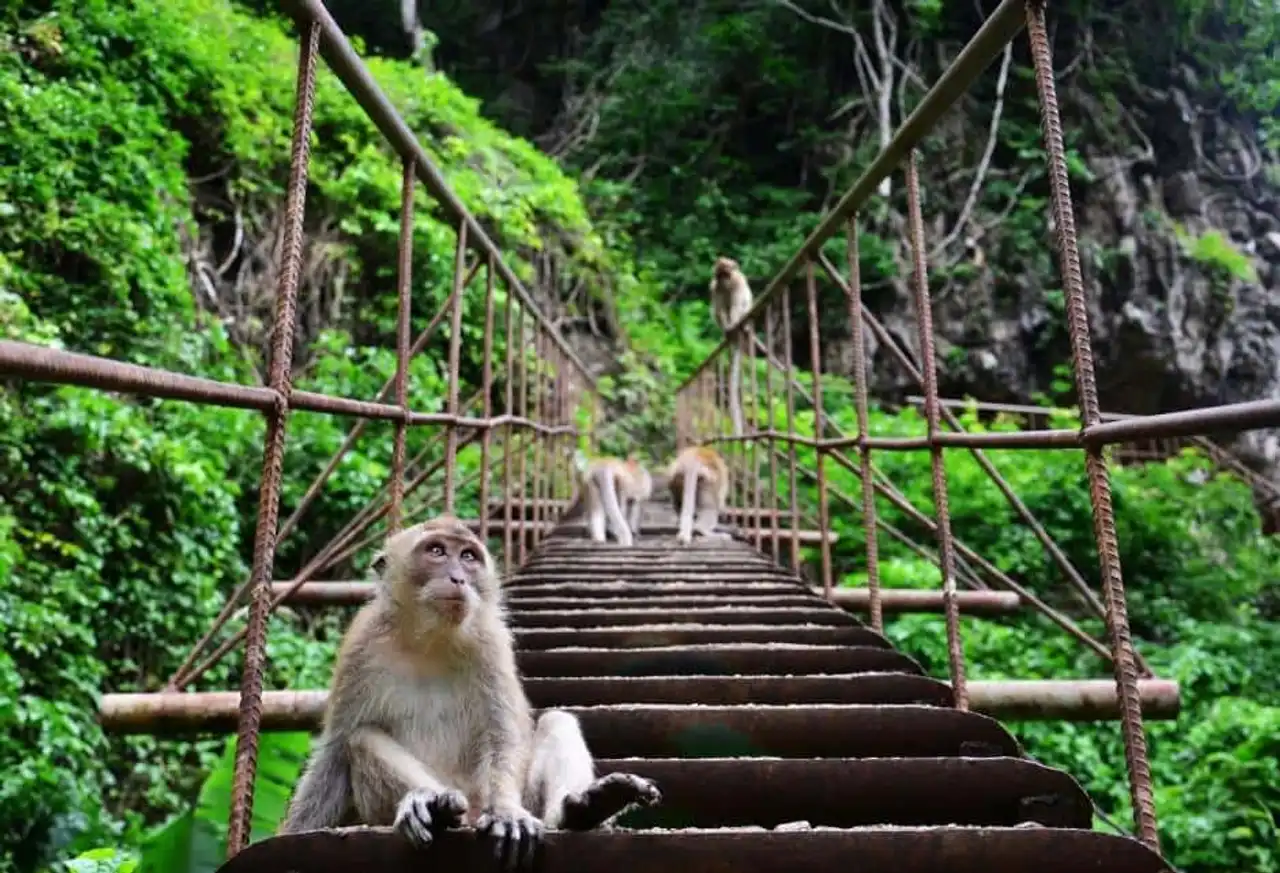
{"type": "Point", "coordinates": [1181, 256]}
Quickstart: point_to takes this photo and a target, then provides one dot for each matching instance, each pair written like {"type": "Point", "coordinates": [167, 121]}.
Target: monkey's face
{"type": "Point", "coordinates": [725, 267]}
{"type": "Point", "coordinates": [441, 568]}
{"type": "Point", "coordinates": [448, 575]}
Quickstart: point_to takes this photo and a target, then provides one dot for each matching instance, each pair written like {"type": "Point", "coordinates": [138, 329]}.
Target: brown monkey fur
{"type": "Point", "coordinates": [731, 300]}
{"type": "Point", "coordinates": [699, 481]}
{"type": "Point", "coordinates": [427, 725]}
{"type": "Point", "coordinates": [612, 490]}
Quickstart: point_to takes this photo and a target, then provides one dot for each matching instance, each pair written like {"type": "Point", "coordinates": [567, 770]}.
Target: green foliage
{"type": "Point", "coordinates": [1214, 252]}
{"type": "Point", "coordinates": [125, 523]}
{"type": "Point", "coordinates": [1238, 44]}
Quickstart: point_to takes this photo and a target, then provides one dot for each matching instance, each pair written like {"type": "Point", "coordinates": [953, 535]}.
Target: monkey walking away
{"type": "Point", "coordinates": [699, 481]}
{"type": "Point", "coordinates": [730, 301]}
{"type": "Point", "coordinates": [611, 490]}
{"type": "Point", "coordinates": [428, 726]}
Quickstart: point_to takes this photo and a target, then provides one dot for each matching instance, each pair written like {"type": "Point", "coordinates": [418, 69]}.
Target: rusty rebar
{"type": "Point", "coordinates": [455, 354]}
{"type": "Point", "coordinates": [929, 369]}
{"type": "Point", "coordinates": [776, 550]}
{"type": "Point", "coordinates": [486, 386]}
{"type": "Point", "coordinates": [404, 272]}
{"type": "Point", "coordinates": [522, 362]}
{"type": "Point", "coordinates": [1068, 569]}
{"type": "Point", "coordinates": [280, 380]}
{"type": "Point", "coordinates": [539, 445]}
{"type": "Point", "coordinates": [509, 387]}
{"type": "Point", "coordinates": [753, 393]}
{"type": "Point", "coordinates": [789, 382]}
{"type": "Point", "coordinates": [819, 417]}
{"type": "Point", "coordinates": [1126, 674]}
{"type": "Point", "coordinates": [854, 295]}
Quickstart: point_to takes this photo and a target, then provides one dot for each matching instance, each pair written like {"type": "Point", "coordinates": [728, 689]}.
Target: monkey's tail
{"type": "Point", "coordinates": [687, 499]}
{"type": "Point", "coordinates": [324, 794]}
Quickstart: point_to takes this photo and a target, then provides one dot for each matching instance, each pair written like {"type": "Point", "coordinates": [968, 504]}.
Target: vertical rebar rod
{"type": "Point", "coordinates": [486, 387]}
{"type": "Point", "coordinates": [522, 361]}
{"type": "Point", "coordinates": [819, 418]}
{"type": "Point", "coordinates": [929, 369]}
{"type": "Point", "coordinates": [860, 376]}
{"type": "Point", "coordinates": [455, 354]}
{"type": "Point", "coordinates": [507, 441]}
{"type": "Point", "coordinates": [280, 380]}
{"type": "Point", "coordinates": [539, 439]}
{"type": "Point", "coordinates": [791, 428]}
{"type": "Point", "coordinates": [404, 275]}
{"type": "Point", "coordinates": [1104, 525]}
{"type": "Point", "coordinates": [757, 500]}
{"type": "Point", "coordinates": [776, 549]}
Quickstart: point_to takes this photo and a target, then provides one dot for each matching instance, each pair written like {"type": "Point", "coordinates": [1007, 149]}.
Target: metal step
{"type": "Point", "coordinates": [898, 849]}
{"type": "Point", "coordinates": [802, 731]}
{"type": "Point", "coordinates": [739, 690]}
{"type": "Point", "coordinates": [740, 659]}
{"type": "Point", "coordinates": [651, 636]}
{"type": "Point", "coordinates": [727, 616]}
{"type": "Point", "coordinates": [849, 792]}
{"type": "Point", "coordinates": [562, 587]}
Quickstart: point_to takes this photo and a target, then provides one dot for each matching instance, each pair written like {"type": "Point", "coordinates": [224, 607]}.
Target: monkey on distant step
{"type": "Point", "coordinates": [699, 481]}
{"type": "Point", "coordinates": [427, 725]}
{"type": "Point", "coordinates": [611, 490]}
{"type": "Point", "coordinates": [731, 300]}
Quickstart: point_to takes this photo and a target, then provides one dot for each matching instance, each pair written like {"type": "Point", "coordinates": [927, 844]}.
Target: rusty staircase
{"type": "Point", "coordinates": [785, 734]}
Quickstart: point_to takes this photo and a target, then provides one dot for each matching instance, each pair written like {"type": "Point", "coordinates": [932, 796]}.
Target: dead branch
{"type": "Point", "coordinates": [979, 175]}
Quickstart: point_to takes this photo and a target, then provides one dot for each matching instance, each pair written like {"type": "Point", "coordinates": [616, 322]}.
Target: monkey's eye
{"type": "Point", "coordinates": [468, 555]}
{"type": "Point", "coordinates": [437, 550]}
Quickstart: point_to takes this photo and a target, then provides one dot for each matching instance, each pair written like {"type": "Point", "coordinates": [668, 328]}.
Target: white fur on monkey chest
{"type": "Point", "coordinates": [440, 726]}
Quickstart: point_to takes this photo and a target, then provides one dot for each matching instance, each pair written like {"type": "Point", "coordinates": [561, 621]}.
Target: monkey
{"type": "Point", "coordinates": [427, 725]}
{"type": "Point", "coordinates": [731, 300]}
{"type": "Point", "coordinates": [612, 490]}
{"type": "Point", "coordinates": [698, 479]}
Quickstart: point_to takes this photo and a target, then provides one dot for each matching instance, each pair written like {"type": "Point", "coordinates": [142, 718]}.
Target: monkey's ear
{"type": "Point", "coordinates": [379, 562]}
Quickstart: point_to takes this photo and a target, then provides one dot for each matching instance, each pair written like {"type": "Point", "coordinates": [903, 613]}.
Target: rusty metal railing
{"type": "Point", "coordinates": [701, 417]}
{"type": "Point", "coordinates": [1136, 451]}
{"type": "Point", "coordinates": [547, 391]}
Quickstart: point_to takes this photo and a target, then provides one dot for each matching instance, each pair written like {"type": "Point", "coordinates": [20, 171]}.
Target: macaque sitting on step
{"type": "Point", "coordinates": [427, 725]}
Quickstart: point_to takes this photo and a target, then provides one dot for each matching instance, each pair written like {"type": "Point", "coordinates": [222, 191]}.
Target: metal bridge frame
{"type": "Point", "coordinates": [546, 392]}
{"type": "Point", "coordinates": [702, 417]}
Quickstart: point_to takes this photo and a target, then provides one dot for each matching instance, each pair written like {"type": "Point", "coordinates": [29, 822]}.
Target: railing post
{"type": "Point", "coordinates": [486, 388]}
{"type": "Point", "coordinates": [753, 394]}
{"type": "Point", "coordinates": [522, 545]}
{"type": "Point", "coordinates": [508, 433]}
{"type": "Point", "coordinates": [815, 352]}
{"type": "Point", "coordinates": [929, 370]}
{"type": "Point", "coordinates": [791, 428]}
{"type": "Point", "coordinates": [1104, 525]}
{"type": "Point", "coordinates": [455, 354]}
{"type": "Point", "coordinates": [404, 271]}
{"type": "Point", "coordinates": [864, 429]}
{"type": "Point", "coordinates": [776, 549]}
{"type": "Point", "coordinates": [280, 374]}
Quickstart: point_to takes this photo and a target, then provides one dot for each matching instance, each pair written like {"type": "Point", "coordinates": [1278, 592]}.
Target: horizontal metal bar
{"type": "Point", "coordinates": [1192, 422]}
{"type": "Point", "coordinates": [1002, 25]}
{"type": "Point", "coordinates": [215, 711]}
{"type": "Point", "coordinates": [922, 600]}
{"type": "Point", "coordinates": [42, 364]}
{"type": "Point", "coordinates": [353, 74]}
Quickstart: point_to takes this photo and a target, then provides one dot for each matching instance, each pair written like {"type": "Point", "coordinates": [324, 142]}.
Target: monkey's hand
{"type": "Point", "coordinates": [515, 832]}
{"type": "Point", "coordinates": [423, 813]}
